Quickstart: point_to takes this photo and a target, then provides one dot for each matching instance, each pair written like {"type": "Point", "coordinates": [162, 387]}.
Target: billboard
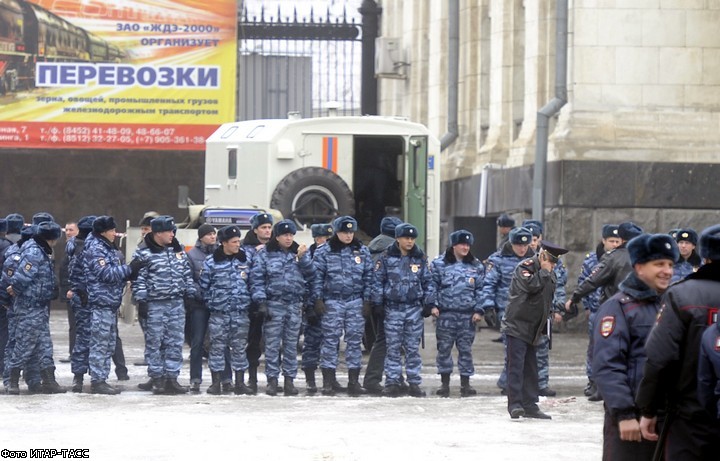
{"type": "Point", "coordinates": [135, 74]}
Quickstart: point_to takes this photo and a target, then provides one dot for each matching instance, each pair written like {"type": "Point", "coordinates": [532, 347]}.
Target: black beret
{"type": "Point", "coordinates": [286, 226]}
{"type": "Point", "coordinates": [205, 229]}
{"type": "Point", "coordinates": [48, 230]}
{"type": "Point", "coordinates": [163, 223]}
{"type": "Point", "coordinates": [3, 225]}
{"type": "Point", "coordinates": [15, 223]}
{"type": "Point", "coordinates": [406, 230]}
{"type": "Point", "coordinates": [553, 249]}
{"type": "Point", "coordinates": [103, 223]}
{"type": "Point", "coordinates": [260, 219]}
{"type": "Point", "coordinates": [688, 235]}
{"type": "Point", "coordinates": [535, 226]}
{"type": "Point", "coordinates": [321, 230]}
{"type": "Point", "coordinates": [388, 225]}
{"type": "Point", "coordinates": [86, 223]}
{"type": "Point", "coordinates": [41, 217]}
{"type": "Point", "coordinates": [520, 236]}
{"type": "Point", "coordinates": [505, 221]}
{"type": "Point", "coordinates": [710, 243]}
{"type": "Point", "coordinates": [461, 236]}
{"type": "Point", "coordinates": [610, 230]}
{"type": "Point", "coordinates": [228, 232]}
{"type": "Point", "coordinates": [649, 247]}
{"type": "Point", "coordinates": [345, 224]}
{"type": "Point", "coordinates": [629, 230]}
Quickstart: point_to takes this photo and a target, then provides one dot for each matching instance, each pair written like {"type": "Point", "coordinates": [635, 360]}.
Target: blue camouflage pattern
{"type": "Point", "coordinates": [591, 302]}
{"type": "Point", "coordinates": [343, 279]}
{"type": "Point", "coordinates": [105, 274]}
{"type": "Point", "coordinates": [454, 328]}
{"type": "Point", "coordinates": [77, 278]}
{"type": "Point", "coordinates": [498, 274]}
{"type": "Point", "coordinates": [401, 284]}
{"type": "Point", "coordinates": [228, 329]}
{"type": "Point", "coordinates": [685, 267]}
{"type": "Point", "coordinates": [164, 337]}
{"type": "Point", "coordinates": [312, 341]}
{"type": "Point", "coordinates": [103, 336]}
{"type": "Point", "coordinates": [282, 332]}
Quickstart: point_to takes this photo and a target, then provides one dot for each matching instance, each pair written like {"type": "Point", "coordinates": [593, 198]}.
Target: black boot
{"type": "Point", "coordinates": [172, 386]}
{"type": "Point", "coordinates": [288, 387]}
{"type": "Point", "coordinates": [391, 390]}
{"type": "Point", "coordinates": [77, 382]}
{"type": "Point", "coordinates": [354, 388]}
{"type": "Point", "coordinates": [328, 378]}
{"type": "Point", "coordinates": [252, 380]}
{"type": "Point", "coordinates": [227, 387]}
{"type": "Point", "coordinates": [337, 387]}
{"type": "Point", "coordinates": [465, 389]}
{"type": "Point", "coordinates": [414, 390]}
{"type": "Point", "coordinates": [49, 385]}
{"type": "Point", "coordinates": [214, 388]}
{"type": "Point", "coordinates": [310, 384]}
{"type": "Point", "coordinates": [195, 387]}
{"type": "Point", "coordinates": [14, 386]}
{"type": "Point", "coordinates": [101, 387]}
{"type": "Point", "coordinates": [272, 385]}
{"type": "Point", "coordinates": [158, 386]}
{"type": "Point", "coordinates": [444, 390]}
{"type": "Point", "coordinates": [240, 387]}
{"type": "Point", "coordinates": [146, 386]}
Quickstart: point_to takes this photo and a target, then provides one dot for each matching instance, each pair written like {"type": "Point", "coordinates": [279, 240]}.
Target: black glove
{"type": "Point", "coordinates": [427, 310]}
{"type": "Point", "coordinates": [263, 312]}
{"type": "Point", "coordinates": [83, 295]}
{"type": "Point", "coordinates": [135, 266]}
{"type": "Point", "coordinates": [571, 314]}
{"type": "Point", "coordinates": [378, 310]}
{"type": "Point", "coordinates": [320, 308]}
{"type": "Point", "coordinates": [312, 317]}
{"type": "Point", "coordinates": [367, 309]}
{"type": "Point", "coordinates": [142, 310]}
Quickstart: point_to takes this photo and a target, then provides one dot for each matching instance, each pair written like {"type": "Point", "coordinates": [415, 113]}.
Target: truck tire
{"type": "Point", "coordinates": [313, 195]}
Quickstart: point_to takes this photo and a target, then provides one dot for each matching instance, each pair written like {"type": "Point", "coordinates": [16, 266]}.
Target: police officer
{"type": "Point", "coordinates": [689, 261]}
{"type": "Point", "coordinates": [709, 370]}
{"type": "Point", "coordinates": [259, 235]}
{"type": "Point", "coordinates": [33, 285]}
{"type": "Point", "coordinates": [279, 276]}
{"type": "Point", "coordinates": [375, 322]}
{"type": "Point", "coordinates": [312, 330]}
{"type": "Point", "coordinates": [402, 281]}
{"type": "Point", "coordinates": [340, 289]}
{"type": "Point", "coordinates": [504, 224]}
{"type": "Point", "coordinates": [105, 280]}
{"type": "Point", "coordinates": [530, 301]}
{"type": "Point", "coordinates": [71, 230]}
{"type": "Point", "coordinates": [591, 302]}
{"type": "Point", "coordinates": [623, 324]}
{"type": "Point", "coordinates": [145, 229]}
{"type": "Point", "coordinates": [672, 349]}
{"type": "Point", "coordinates": [5, 243]}
{"type": "Point", "coordinates": [223, 283]}
{"type": "Point", "coordinates": [163, 282]}
{"type": "Point", "coordinates": [455, 302]}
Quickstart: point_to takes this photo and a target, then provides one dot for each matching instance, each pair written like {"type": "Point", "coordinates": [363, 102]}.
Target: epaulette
{"type": "Point", "coordinates": [625, 299]}
{"type": "Point", "coordinates": [527, 262]}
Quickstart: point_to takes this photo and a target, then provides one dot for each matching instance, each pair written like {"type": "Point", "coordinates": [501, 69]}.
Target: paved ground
{"type": "Point", "coordinates": [139, 425]}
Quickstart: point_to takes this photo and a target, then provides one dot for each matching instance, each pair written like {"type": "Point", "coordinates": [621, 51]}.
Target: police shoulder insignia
{"type": "Point", "coordinates": [528, 262]}
{"type": "Point", "coordinates": [526, 274]}
{"type": "Point", "coordinates": [717, 343]}
{"type": "Point", "coordinates": [358, 259]}
{"type": "Point", "coordinates": [28, 266]}
{"type": "Point", "coordinates": [414, 268]}
{"type": "Point", "coordinates": [607, 325]}
{"type": "Point", "coordinates": [179, 255]}
{"type": "Point", "coordinates": [10, 272]}
{"type": "Point", "coordinates": [243, 275]}
{"type": "Point", "coordinates": [471, 281]}
{"type": "Point", "coordinates": [16, 258]}
{"type": "Point", "coordinates": [378, 264]}
{"type": "Point", "coordinates": [101, 261]}
{"type": "Point", "coordinates": [489, 266]}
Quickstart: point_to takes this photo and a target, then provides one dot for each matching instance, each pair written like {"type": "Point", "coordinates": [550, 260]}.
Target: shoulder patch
{"type": "Point", "coordinates": [101, 261]}
{"type": "Point", "coordinates": [28, 266]}
{"type": "Point", "coordinates": [717, 344]}
{"type": "Point", "coordinates": [378, 264]}
{"type": "Point", "coordinates": [526, 274]}
{"type": "Point", "coordinates": [489, 265]}
{"type": "Point", "coordinates": [607, 325]}
{"type": "Point", "coordinates": [528, 262]}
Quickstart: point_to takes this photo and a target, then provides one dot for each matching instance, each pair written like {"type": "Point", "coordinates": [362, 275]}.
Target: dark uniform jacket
{"type": "Point", "coordinates": [673, 346]}
{"type": "Point", "coordinates": [622, 326]}
{"type": "Point", "coordinates": [709, 371]}
{"type": "Point", "coordinates": [196, 258]}
{"type": "Point", "coordinates": [612, 269]}
{"type": "Point", "coordinates": [530, 300]}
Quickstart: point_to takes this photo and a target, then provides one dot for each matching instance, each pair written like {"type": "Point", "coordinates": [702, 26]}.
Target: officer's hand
{"type": "Point", "coordinates": [568, 305]}
{"type": "Point", "coordinates": [312, 318]}
{"type": "Point", "coordinates": [647, 428]}
{"type": "Point", "coordinates": [135, 266]}
{"type": "Point", "coordinates": [142, 308]}
{"type": "Point", "coordinates": [477, 317]}
{"type": "Point", "coordinates": [83, 295]}
{"type": "Point", "coordinates": [435, 312]}
{"type": "Point", "coordinates": [302, 249]}
{"type": "Point", "coordinates": [320, 307]}
{"type": "Point", "coordinates": [427, 311]}
{"type": "Point", "coordinates": [367, 309]}
{"type": "Point", "coordinates": [557, 318]}
{"type": "Point", "coordinates": [630, 430]}
{"type": "Point", "coordinates": [378, 310]}
{"type": "Point", "coordinates": [263, 312]}
{"type": "Point", "coordinates": [545, 262]}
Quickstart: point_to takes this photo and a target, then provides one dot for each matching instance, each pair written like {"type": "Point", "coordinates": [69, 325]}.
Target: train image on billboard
{"type": "Point", "coordinates": [30, 34]}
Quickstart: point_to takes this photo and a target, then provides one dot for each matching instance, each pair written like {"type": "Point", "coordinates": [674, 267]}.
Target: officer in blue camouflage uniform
{"type": "Point", "coordinates": [504, 224]}
{"type": "Point", "coordinates": [499, 269]}
{"type": "Point", "coordinates": [259, 235]}
{"type": "Point", "coordinates": [455, 302]}
{"type": "Point", "coordinates": [341, 287]}
{"type": "Point", "coordinates": [402, 282]}
{"type": "Point", "coordinates": [78, 297]}
{"type": "Point", "coordinates": [591, 302]}
{"type": "Point", "coordinates": [709, 371]}
{"type": "Point", "coordinates": [163, 283]}
{"type": "Point", "coordinates": [689, 261]}
{"type": "Point", "coordinates": [279, 277]}
{"type": "Point", "coordinates": [312, 330]}
{"type": "Point", "coordinates": [5, 243]}
{"type": "Point", "coordinates": [33, 285]}
{"type": "Point", "coordinates": [224, 286]}
{"type": "Point", "coordinates": [619, 355]}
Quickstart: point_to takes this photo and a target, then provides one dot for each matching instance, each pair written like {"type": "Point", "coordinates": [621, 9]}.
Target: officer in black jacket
{"type": "Point", "coordinates": [530, 299]}
{"type": "Point", "coordinates": [672, 351]}
{"type": "Point", "coordinates": [622, 325]}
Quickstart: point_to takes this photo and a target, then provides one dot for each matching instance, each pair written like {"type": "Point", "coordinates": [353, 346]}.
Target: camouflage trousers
{"type": "Point", "coordinates": [342, 318]}
{"type": "Point", "coordinates": [312, 339]}
{"type": "Point", "coordinates": [103, 334]}
{"type": "Point", "coordinates": [455, 329]}
{"type": "Point", "coordinates": [32, 341]}
{"type": "Point", "coordinates": [282, 332]}
{"type": "Point", "coordinates": [81, 350]}
{"type": "Point", "coordinates": [403, 331]}
{"type": "Point", "coordinates": [164, 338]}
{"type": "Point", "coordinates": [228, 330]}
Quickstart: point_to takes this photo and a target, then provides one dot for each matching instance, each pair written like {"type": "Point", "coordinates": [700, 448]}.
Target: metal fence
{"type": "Point", "coordinates": [295, 60]}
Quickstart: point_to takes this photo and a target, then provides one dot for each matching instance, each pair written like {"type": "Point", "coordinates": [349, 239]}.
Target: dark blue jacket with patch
{"type": "Point", "coordinates": [401, 279]}
{"type": "Point", "coordinates": [224, 282]}
{"type": "Point", "coordinates": [456, 285]}
{"type": "Point", "coordinates": [104, 272]}
{"type": "Point", "coordinates": [342, 272]}
{"type": "Point", "coordinates": [166, 274]}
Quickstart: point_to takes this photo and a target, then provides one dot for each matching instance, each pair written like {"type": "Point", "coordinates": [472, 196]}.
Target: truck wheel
{"type": "Point", "coordinates": [313, 195]}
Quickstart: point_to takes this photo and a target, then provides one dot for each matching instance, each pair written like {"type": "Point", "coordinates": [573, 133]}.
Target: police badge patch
{"type": "Point", "coordinates": [28, 266]}
{"type": "Point", "coordinates": [101, 261]}
{"type": "Point", "coordinates": [358, 260]}
{"type": "Point", "coordinates": [607, 326]}
{"type": "Point", "coordinates": [414, 268]}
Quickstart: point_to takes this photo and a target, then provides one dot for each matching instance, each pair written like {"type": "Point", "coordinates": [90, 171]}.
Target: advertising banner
{"type": "Point", "coordinates": [109, 74]}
